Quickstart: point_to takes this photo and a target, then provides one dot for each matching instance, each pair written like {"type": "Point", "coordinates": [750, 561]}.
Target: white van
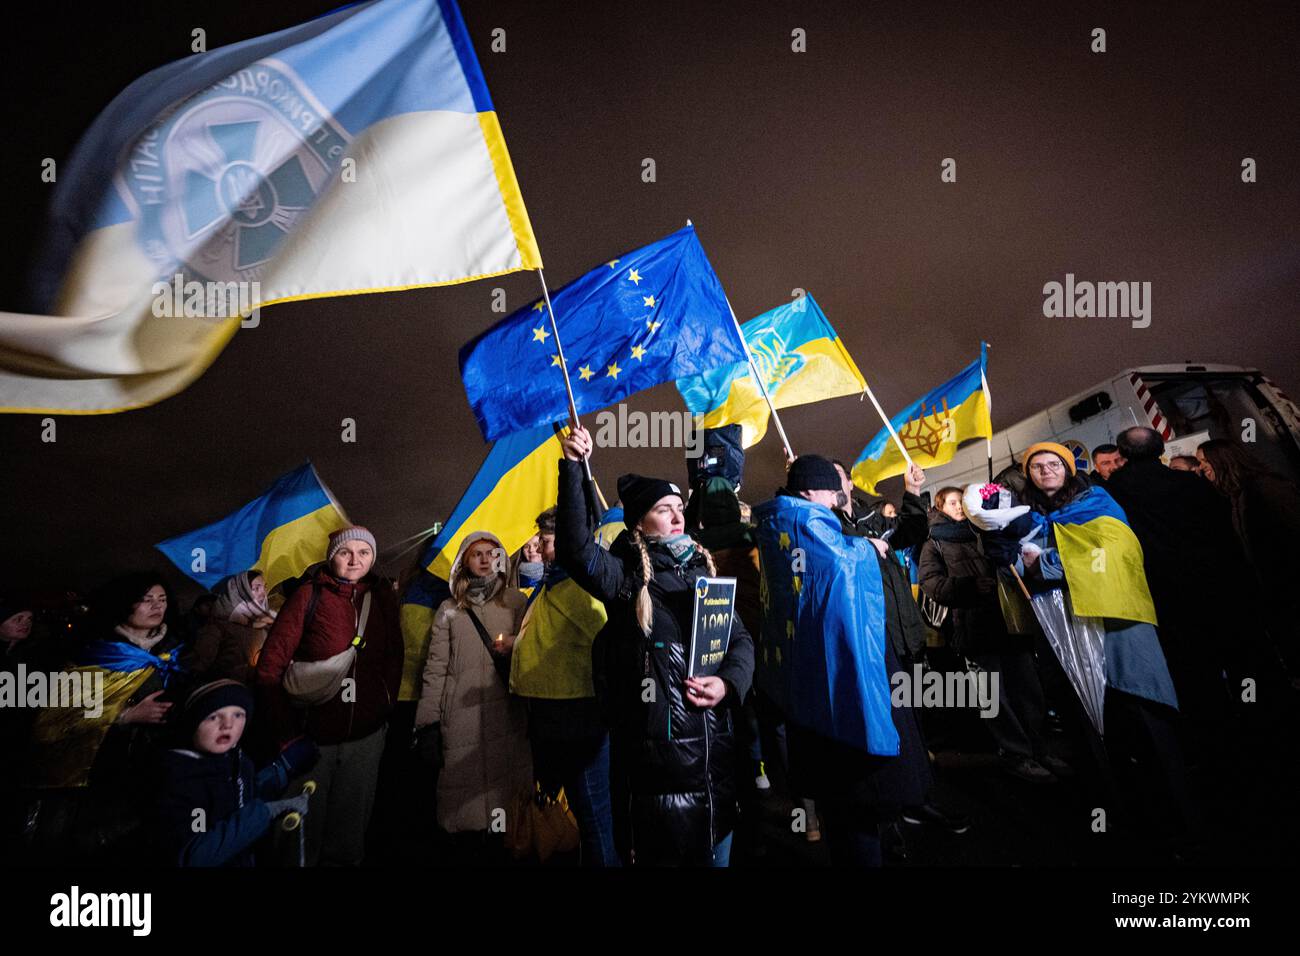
{"type": "Point", "coordinates": [1187, 404]}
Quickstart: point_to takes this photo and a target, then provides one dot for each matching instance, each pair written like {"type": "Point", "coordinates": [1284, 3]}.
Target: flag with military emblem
{"type": "Point", "coordinates": [358, 152]}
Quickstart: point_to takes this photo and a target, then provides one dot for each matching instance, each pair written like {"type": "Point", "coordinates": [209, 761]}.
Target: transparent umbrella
{"type": "Point", "coordinates": [1079, 643]}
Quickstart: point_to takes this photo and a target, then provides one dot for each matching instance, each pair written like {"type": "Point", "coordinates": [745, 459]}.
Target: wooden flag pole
{"type": "Point", "coordinates": [604, 505]}
{"type": "Point", "coordinates": [988, 403]}
{"type": "Point", "coordinates": [1019, 580]}
{"type": "Point", "coordinates": [890, 425]}
{"type": "Point", "coordinates": [564, 366]}
{"type": "Point", "coordinates": [753, 370]}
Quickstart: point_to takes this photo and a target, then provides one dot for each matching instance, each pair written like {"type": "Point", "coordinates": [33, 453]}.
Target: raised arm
{"type": "Point", "coordinates": [576, 549]}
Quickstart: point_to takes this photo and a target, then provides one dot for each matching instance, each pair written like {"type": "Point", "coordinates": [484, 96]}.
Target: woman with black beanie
{"type": "Point", "coordinates": [672, 736]}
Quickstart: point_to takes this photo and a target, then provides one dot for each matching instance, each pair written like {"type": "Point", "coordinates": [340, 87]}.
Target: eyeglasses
{"type": "Point", "coordinates": [1047, 466]}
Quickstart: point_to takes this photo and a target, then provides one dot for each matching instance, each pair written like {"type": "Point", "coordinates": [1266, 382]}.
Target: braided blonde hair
{"type": "Point", "coordinates": [644, 606]}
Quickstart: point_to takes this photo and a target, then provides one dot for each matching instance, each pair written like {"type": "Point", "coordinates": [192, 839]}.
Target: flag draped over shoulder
{"type": "Point", "coordinates": [419, 603]}
{"type": "Point", "coordinates": [281, 532]}
{"type": "Point", "coordinates": [822, 652]}
{"type": "Point", "coordinates": [931, 428]}
{"type": "Point", "coordinates": [518, 480]}
{"type": "Point", "coordinates": [801, 360]}
{"type": "Point", "coordinates": [552, 655]}
{"type": "Point", "coordinates": [1102, 559]}
{"type": "Point", "coordinates": [359, 152]}
{"type": "Point", "coordinates": [65, 741]}
{"type": "Point", "coordinates": [649, 316]}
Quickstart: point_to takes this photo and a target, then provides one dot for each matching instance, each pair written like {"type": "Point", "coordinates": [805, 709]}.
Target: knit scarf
{"type": "Point", "coordinates": [680, 547]}
{"type": "Point", "coordinates": [237, 604]}
{"type": "Point", "coordinates": [954, 531]}
{"type": "Point", "coordinates": [482, 589]}
{"type": "Point", "coordinates": [531, 572]}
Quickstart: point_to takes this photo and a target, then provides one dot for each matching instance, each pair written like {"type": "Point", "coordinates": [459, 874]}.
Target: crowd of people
{"type": "Point", "coordinates": [554, 687]}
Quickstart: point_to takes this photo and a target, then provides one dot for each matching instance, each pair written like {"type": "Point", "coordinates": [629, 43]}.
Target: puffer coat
{"type": "Point", "coordinates": [679, 759]}
{"type": "Point", "coordinates": [333, 624]}
{"type": "Point", "coordinates": [951, 567]}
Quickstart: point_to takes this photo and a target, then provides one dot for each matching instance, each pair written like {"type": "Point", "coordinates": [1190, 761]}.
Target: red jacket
{"type": "Point", "coordinates": [377, 671]}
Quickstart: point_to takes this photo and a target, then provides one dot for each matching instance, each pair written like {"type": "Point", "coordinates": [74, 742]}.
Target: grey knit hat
{"type": "Point", "coordinates": [354, 533]}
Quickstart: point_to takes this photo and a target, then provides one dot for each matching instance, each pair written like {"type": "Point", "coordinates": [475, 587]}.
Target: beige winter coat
{"type": "Point", "coordinates": [486, 759]}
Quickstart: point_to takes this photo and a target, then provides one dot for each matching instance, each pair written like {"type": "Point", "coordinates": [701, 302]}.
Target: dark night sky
{"type": "Point", "coordinates": [817, 170]}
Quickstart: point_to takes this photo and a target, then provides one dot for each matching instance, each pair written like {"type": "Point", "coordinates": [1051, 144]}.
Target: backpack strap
{"type": "Point", "coordinates": [310, 615]}
{"type": "Point", "coordinates": [359, 641]}
{"type": "Point", "coordinates": [311, 607]}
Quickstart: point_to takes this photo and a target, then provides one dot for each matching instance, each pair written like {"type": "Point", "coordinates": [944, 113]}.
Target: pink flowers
{"type": "Point", "coordinates": [990, 491]}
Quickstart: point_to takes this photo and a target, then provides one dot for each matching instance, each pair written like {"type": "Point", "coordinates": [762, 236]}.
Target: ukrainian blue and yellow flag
{"type": "Point", "coordinates": [423, 595]}
{"type": "Point", "coordinates": [801, 360]}
{"type": "Point", "coordinates": [552, 655]}
{"type": "Point", "coordinates": [1102, 559]}
{"type": "Point", "coordinates": [359, 152]}
{"type": "Point", "coordinates": [821, 647]}
{"type": "Point", "coordinates": [931, 428]}
{"type": "Point", "coordinates": [649, 316]}
{"type": "Point", "coordinates": [610, 526]}
{"type": "Point", "coordinates": [281, 532]}
{"type": "Point", "coordinates": [515, 484]}
{"type": "Point", "coordinates": [65, 741]}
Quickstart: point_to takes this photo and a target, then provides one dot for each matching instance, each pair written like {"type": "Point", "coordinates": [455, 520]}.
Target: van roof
{"type": "Point", "coordinates": [1016, 437]}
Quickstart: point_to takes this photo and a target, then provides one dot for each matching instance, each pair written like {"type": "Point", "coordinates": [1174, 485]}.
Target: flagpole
{"type": "Point", "coordinates": [890, 425]}
{"type": "Point", "coordinates": [564, 366]}
{"type": "Point", "coordinates": [603, 503]}
{"type": "Point", "coordinates": [988, 403]}
{"type": "Point", "coordinates": [411, 543]}
{"type": "Point", "coordinates": [753, 370]}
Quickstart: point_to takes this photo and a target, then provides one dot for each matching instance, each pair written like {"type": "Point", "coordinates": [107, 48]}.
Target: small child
{"type": "Point", "coordinates": [212, 808]}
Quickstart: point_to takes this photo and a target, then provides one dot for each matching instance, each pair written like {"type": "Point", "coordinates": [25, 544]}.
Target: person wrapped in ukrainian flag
{"type": "Point", "coordinates": [1081, 566]}
{"type": "Point", "coordinates": [90, 764]}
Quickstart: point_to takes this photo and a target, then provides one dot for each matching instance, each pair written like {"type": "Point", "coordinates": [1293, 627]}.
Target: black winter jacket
{"type": "Point", "coordinates": [903, 532]}
{"type": "Point", "coordinates": [679, 759]}
{"type": "Point", "coordinates": [232, 798]}
{"type": "Point", "coordinates": [950, 569]}
{"type": "Point", "coordinates": [904, 625]}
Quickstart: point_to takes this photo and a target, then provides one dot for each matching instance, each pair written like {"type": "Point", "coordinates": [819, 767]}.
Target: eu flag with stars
{"type": "Point", "coordinates": [650, 316]}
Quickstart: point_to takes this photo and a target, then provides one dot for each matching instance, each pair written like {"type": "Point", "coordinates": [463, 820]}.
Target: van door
{"type": "Point", "coordinates": [1227, 405]}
